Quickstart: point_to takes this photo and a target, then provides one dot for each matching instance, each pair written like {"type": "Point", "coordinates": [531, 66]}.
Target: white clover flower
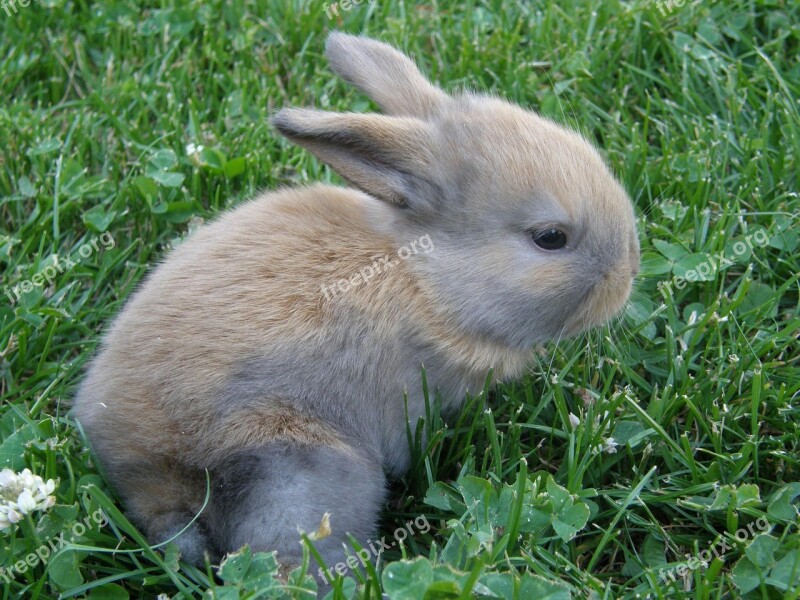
{"type": "Point", "coordinates": [21, 494]}
{"type": "Point", "coordinates": [27, 479]}
{"type": "Point", "coordinates": [25, 502]}
{"type": "Point", "coordinates": [7, 477]}
{"type": "Point", "coordinates": [610, 445]}
{"type": "Point", "coordinates": [47, 487]}
{"type": "Point", "coordinates": [193, 149]}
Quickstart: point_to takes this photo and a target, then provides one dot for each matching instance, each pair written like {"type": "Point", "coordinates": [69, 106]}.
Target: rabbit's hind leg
{"type": "Point", "coordinates": [164, 499]}
{"type": "Point", "coordinates": [264, 497]}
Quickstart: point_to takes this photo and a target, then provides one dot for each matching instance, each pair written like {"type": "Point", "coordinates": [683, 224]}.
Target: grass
{"type": "Point", "coordinates": [696, 110]}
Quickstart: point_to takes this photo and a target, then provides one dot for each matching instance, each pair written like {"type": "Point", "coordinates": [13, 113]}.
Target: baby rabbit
{"type": "Point", "coordinates": [233, 357]}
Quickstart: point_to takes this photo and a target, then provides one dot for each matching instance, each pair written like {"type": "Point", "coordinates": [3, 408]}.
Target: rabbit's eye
{"type": "Point", "coordinates": [550, 239]}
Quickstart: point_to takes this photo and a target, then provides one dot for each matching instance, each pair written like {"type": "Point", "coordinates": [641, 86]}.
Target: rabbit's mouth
{"type": "Point", "coordinates": [604, 301]}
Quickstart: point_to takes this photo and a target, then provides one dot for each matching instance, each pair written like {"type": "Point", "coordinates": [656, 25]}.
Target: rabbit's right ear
{"type": "Point", "coordinates": [388, 77]}
{"type": "Point", "coordinates": [391, 158]}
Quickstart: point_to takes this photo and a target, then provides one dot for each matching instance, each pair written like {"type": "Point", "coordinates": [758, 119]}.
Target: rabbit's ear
{"type": "Point", "coordinates": [390, 158]}
{"type": "Point", "coordinates": [384, 74]}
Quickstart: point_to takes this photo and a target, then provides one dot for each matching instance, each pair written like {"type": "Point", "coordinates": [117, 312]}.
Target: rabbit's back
{"type": "Point", "coordinates": [244, 284]}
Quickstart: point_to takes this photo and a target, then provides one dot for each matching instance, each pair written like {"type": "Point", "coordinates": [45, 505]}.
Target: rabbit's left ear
{"type": "Point", "coordinates": [384, 74]}
{"type": "Point", "coordinates": [391, 158]}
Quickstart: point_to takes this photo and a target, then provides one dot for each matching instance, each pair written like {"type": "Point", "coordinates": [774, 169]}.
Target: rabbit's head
{"type": "Point", "coordinates": [534, 238]}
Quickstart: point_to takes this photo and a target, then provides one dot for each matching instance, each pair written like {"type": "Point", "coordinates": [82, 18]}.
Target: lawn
{"type": "Point", "coordinates": [658, 457]}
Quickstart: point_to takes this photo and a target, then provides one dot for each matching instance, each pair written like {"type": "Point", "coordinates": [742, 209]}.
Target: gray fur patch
{"type": "Point", "coordinates": [263, 498]}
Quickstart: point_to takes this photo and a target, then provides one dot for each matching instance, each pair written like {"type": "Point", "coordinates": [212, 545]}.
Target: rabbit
{"type": "Point", "coordinates": [235, 359]}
